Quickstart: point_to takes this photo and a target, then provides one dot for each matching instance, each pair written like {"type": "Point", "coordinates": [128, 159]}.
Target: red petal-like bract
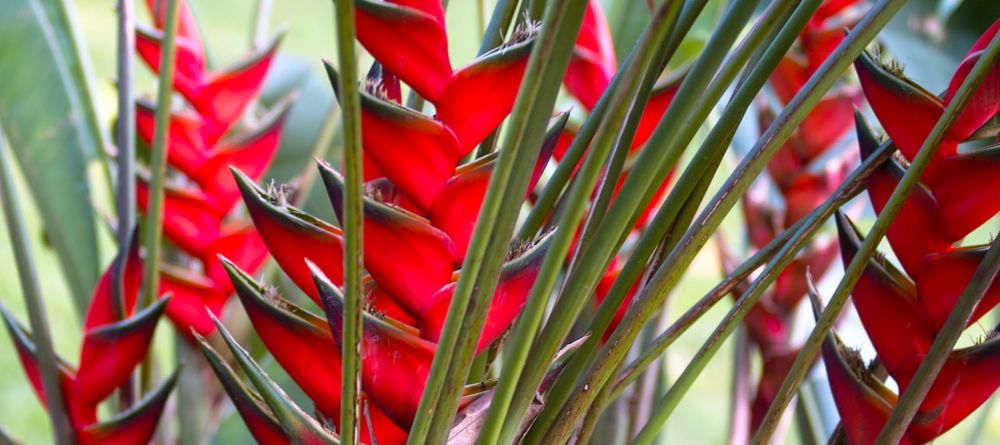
{"type": "Point", "coordinates": [191, 224]}
{"type": "Point", "coordinates": [967, 189]}
{"type": "Point", "coordinates": [593, 63]}
{"type": "Point", "coordinates": [916, 231]}
{"type": "Point", "coordinates": [984, 103]}
{"type": "Point", "coordinates": [394, 362]}
{"type": "Point", "coordinates": [189, 61]}
{"type": "Point", "coordinates": [480, 95]}
{"type": "Point", "coordinates": [102, 310]}
{"type": "Point", "coordinates": [226, 94]}
{"type": "Point", "coordinates": [293, 236]}
{"type": "Point", "coordinates": [135, 426]}
{"type": "Point", "coordinates": [940, 283]}
{"type": "Point", "coordinates": [187, 150]}
{"type": "Point", "coordinates": [304, 347]}
{"type": "Point", "coordinates": [887, 305]}
{"type": "Point", "coordinates": [861, 401]}
{"type": "Point", "coordinates": [251, 153]}
{"type": "Point", "coordinates": [408, 38]}
{"type": "Point", "coordinates": [906, 111]}
{"type": "Point", "coordinates": [417, 153]}
{"type": "Point", "coordinates": [409, 258]}
{"type": "Point", "coordinates": [516, 279]}
{"type": "Point", "coordinates": [456, 209]}
{"type": "Point", "coordinates": [110, 352]}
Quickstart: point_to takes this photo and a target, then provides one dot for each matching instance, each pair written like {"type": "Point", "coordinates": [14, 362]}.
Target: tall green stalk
{"type": "Point", "coordinates": [481, 268]}
{"type": "Point", "coordinates": [632, 76]}
{"type": "Point", "coordinates": [854, 270]}
{"type": "Point", "coordinates": [48, 363]}
{"type": "Point", "coordinates": [669, 273]}
{"type": "Point", "coordinates": [560, 27]}
{"type": "Point", "coordinates": [981, 281]}
{"type": "Point", "coordinates": [153, 224]}
{"type": "Point", "coordinates": [353, 223]}
{"type": "Point", "coordinates": [691, 187]}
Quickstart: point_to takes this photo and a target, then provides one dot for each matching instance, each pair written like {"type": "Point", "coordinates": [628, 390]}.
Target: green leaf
{"type": "Point", "coordinates": [48, 117]}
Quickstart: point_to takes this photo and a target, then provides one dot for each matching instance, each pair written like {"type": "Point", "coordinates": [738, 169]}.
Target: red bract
{"type": "Point", "coordinates": [903, 315]}
{"type": "Point", "coordinates": [302, 343]}
{"type": "Point", "coordinates": [114, 343]}
{"type": "Point", "coordinates": [205, 139]}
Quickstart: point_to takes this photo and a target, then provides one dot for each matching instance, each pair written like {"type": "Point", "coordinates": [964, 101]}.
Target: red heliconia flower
{"type": "Point", "coordinates": [903, 315]}
{"type": "Point", "coordinates": [204, 141]}
{"type": "Point", "coordinates": [113, 345]}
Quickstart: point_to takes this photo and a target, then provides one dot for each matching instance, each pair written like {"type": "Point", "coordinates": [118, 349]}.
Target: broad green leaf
{"type": "Point", "coordinates": [48, 118]}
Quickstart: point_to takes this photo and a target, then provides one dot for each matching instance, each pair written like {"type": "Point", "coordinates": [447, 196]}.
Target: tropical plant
{"type": "Point", "coordinates": [494, 258]}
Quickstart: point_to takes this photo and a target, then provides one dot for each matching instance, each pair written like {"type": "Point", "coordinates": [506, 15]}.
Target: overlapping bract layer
{"type": "Point", "coordinates": [421, 205]}
{"type": "Point", "coordinates": [114, 343]}
{"type": "Point", "coordinates": [205, 138]}
{"type": "Point", "coordinates": [903, 312]}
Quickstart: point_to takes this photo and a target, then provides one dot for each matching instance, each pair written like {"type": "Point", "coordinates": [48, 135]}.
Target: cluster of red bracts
{"type": "Point", "coordinates": [113, 345]}
{"type": "Point", "coordinates": [420, 209]}
{"type": "Point", "coordinates": [204, 139]}
{"type": "Point", "coordinates": [903, 312]}
{"type": "Point", "coordinates": [804, 172]}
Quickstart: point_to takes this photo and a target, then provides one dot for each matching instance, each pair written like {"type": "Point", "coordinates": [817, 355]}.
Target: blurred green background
{"type": "Point", "coordinates": [227, 27]}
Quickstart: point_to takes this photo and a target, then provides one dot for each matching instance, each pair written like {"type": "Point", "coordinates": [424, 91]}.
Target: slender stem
{"type": "Point", "coordinates": [536, 97]}
{"type": "Point", "coordinates": [190, 393]}
{"type": "Point", "coordinates": [739, 408]}
{"type": "Point", "coordinates": [125, 141]}
{"type": "Point", "coordinates": [353, 224]}
{"type": "Point", "coordinates": [590, 422]}
{"type": "Point", "coordinates": [480, 270]}
{"type": "Point", "coordinates": [500, 20]}
{"type": "Point", "coordinates": [980, 282]}
{"type": "Point", "coordinates": [499, 426]}
{"type": "Point", "coordinates": [567, 165]}
{"type": "Point", "coordinates": [853, 271]}
{"type": "Point", "coordinates": [153, 227]}
{"type": "Point", "coordinates": [261, 15]}
{"type": "Point", "coordinates": [48, 364]}
{"type": "Point", "coordinates": [686, 194]}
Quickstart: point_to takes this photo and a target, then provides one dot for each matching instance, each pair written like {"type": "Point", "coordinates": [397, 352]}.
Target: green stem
{"type": "Point", "coordinates": [190, 394]}
{"type": "Point", "coordinates": [567, 165]}
{"type": "Point", "coordinates": [353, 224]}
{"type": "Point", "coordinates": [261, 15]}
{"type": "Point", "coordinates": [499, 426]}
{"type": "Point", "coordinates": [687, 193]}
{"type": "Point", "coordinates": [153, 230]}
{"type": "Point", "coordinates": [559, 29]}
{"type": "Point", "coordinates": [480, 270]}
{"type": "Point", "coordinates": [48, 364]}
{"type": "Point", "coordinates": [125, 188]}
{"type": "Point", "coordinates": [671, 271]}
{"type": "Point", "coordinates": [853, 271]}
